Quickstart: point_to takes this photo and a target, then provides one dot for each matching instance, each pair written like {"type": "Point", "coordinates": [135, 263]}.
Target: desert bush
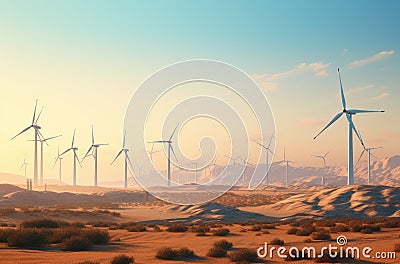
{"type": "Point", "coordinates": [307, 240]}
{"type": "Point", "coordinates": [292, 231]}
{"type": "Point", "coordinates": [304, 231]}
{"type": "Point", "coordinates": [166, 253]}
{"type": "Point", "coordinates": [221, 232]}
{"type": "Point", "coordinates": [185, 253]}
{"type": "Point", "coordinates": [265, 232]}
{"type": "Point", "coordinates": [101, 224]}
{"type": "Point", "coordinates": [243, 255]}
{"type": "Point", "coordinates": [321, 235]}
{"type": "Point", "coordinates": [200, 234]}
{"type": "Point", "coordinates": [76, 243]}
{"type": "Point", "coordinates": [136, 228]}
{"type": "Point", "coordinates": [5, 233]}
{"type": "Point", "coordinates": [340, 228]}
{"type": "Point", "coordinates": [43, 223]}
{"type": "Point", "coordinates": [122, 259]}
{"type": "Point", "coordinates": [216, 252]}
{"type": "Point", "coordinates": [390, 223]}
{"type": "Point", "coordinates": [277, 241]}
{"type": "Point", "coordinates": [177, 228]}
{"type": "Point", "coordinates": [396, 247]}
{"type": "Point", "coordinates": [26, 238]}
{"type": "Point", "coordinates": [201, 229]}
{"type": "Point", "coordinates": [224, 244]}
{"type": "Point", "coordinates": [89, 262]}
{"type": "Point", "coordinates": [157, 228]}
{"type": "Point", "coordinates": [256, 228]}
{"type": "Point", "coordinates": [326, 223]}
{"type": "Point", "coordinates": [58, 235]}
{"type": "Point", "coordinates": [96, 236]}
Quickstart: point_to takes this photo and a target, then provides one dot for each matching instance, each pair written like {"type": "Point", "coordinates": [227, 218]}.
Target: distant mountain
{"type": "Point", "coordinates": [10, 178]}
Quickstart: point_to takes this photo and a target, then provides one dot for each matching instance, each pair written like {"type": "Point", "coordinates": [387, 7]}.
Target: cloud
{"type": "Point", "coordinates": [268, 86]}
{"type": "Point", "coordinates": [309, 122]}
{"type": "Point", "coordinates": [359, 89]}
{"type": "Point", "coordinates": [376, 57]}
{"type": "Point", "coordinates": [379, 97]}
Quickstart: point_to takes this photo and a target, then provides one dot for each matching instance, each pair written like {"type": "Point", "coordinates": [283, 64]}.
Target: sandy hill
{"type": "Point", "coordinates": [347, 201]}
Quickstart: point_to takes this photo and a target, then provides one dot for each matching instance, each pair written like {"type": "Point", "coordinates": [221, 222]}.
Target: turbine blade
{"type": "Point", "coordinates": [55, 162]}
{"type": "Point", "coordinates": [41, 137]}
{"type": "Point", "coordinates": [354, 128]}
{"type": "Point", "coordinates": [21, 132]}
{"type": "Point", "coordinates": [92, 136]}
{"type": "Point", "coordinates": [336, 117]}
{"type": "Point", "coordinates": [270, 141]}
{"type": "Point", "coordinates": [76, 157]}
{"type": "Point", "coordinates": [129, 160]}
{"type": "Point", "coordinates": [123, 141]}
{"type": "Point", "coordinates": [73, 139]}
{"type": "Point", "coordinates": [34, 113]}
{"type": "Point", "coordinates": [173, 152]}
{"type": "Point", "coordinates": [358, 111]}
{"type": "Point", "coordinates": [152, 147]}
{"type": "Point", "coordinates": [326, 154]}
{"type": "Point", "coordinates": [49, 138]}
{"type": "Point", "coordinates": [119, 153]}
{"type": "Point", "coordinates": [362, 153]}
{"type": "Point", "coordinates": [87, 153]}
{"type": "Point", "coordinates": [39, 115]}
{"type": "Point", "coordinates": [173, 132]}
{"type": "Point", "coordinates": [158, 141]}
{"type": "Point", "coordinates": [341, 91]}
{"type": "Point", "coordinates": [261, 145]}
{"type": "Point", "coordinates": [65, 151]}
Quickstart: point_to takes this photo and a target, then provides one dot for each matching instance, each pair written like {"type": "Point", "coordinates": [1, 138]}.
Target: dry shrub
{"type": "Point", "coordinates": [43, 223]}
{"type": "Point", "coordinates": [27, 238]}
{"type": "Point", "coordinates": [221, 232]}
{"type": "Point", "coordinates": [321, 235]}
{"type": "Point", "coordinates": [244, 255]}
{"type": "Point", "coordinates": [277, 242]}
{"type": "Point", "coordinates": [177, 228]}
{"type": "Point", "coordinates": [216, 252]}
{"type": "Point", "coordinates": [76, 243]}
{"type": "Point", "coordinates": [122, 259]}
{"type": "Point", "coordinates": [224, 244]}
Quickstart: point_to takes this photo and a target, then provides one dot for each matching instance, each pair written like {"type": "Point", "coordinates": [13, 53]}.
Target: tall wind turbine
{"type": "Point", "coordinates": [74, 149]}
{"type": "Point", "coordinates": [58, 158]}
{"type": "Point", "coordinates": [368, 151]}
{"type": "Point", "coordinates": [234, 166]}
{"type": "Point", "coordinates": [43, 140]}
{"type": "Point", "coordinates": [126, 160]}
{"type": "Point", "coordinates": [349, 114]}
{"type": "Point", "coordinates": [286, 164]}
{"type": "Point", "coordinates": [24, 165]}
{"type": "Point", "coordinates": [268, 150]}
{"type": "Point", "coordinates": [170, 148]}
{"type": "Point", "coordinates": [324, 160]}
{"type": "Point", "coordinates": [93, 151]}
{"type": "Point", "coordinates": [36, 127]}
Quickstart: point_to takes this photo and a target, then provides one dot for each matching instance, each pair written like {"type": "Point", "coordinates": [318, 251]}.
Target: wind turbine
{"type": "Point", "coordinates": [268, 149]}
{"type": "Point", "coordinates": [93, 151]}
{"type": "Point", "coordinates": [234, 165]}
{"type": "Point", "coordinates": [74, 149]}
{"type": "Point", "coordinates": [126, 160]}
{"type": "Point", "coordinates": [286, 164]}
{"type": "Point", "coordinates": [36, 127]}
{"type": "Point", "coordinates": [24, 164]}
{"type": "Point", "coordinates": [43, 140]}
{"type": "Point", "coordinates": [58, 158]}
{"type": "Point", "coordinates": [244, 168]}
{"type": "Point", "coordinates": [324, 160]}
{"type": "Point", "coordinates": [368, 151]}
{"type": "Point", "coordinates": [169, 142]}
{"type": "Point", "coordinates": [152, 151]}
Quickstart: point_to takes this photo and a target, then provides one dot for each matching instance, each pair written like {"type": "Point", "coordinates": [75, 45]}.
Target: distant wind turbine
{"type": "Point", "coordinates": [268, 150]}
{"type": "Point", "coordinates": [152, 151]}
{"type": "Point", "coordinates": [324, 160]}
{"type": "Point", "coordinates": [368, 151]}
{"type": "Point", "coordinates": [74, 150]}
{"type": "Point", "coordinates": [349, 113]}
{"type": "Point", "coordinates": [170, 148]}
{"type": "Point", "coordinates": [126, 160]}
{"type": "Point", "coordinates": [43, 140]}
{"type": "Point", "coordinates": [58, 158]}
{"type": "Point", "coordinates": [286, 164]}
{"type": "Point", "coordinates": [24, 165]}
{"type": "Point", "coordinates": [93, 152]}
{"type": "Point", "coordinates": [245, 163]}
{"type": "Point", "coordinates": [234, 166]}
{"type": "Point", "coordinates": [36, 127]}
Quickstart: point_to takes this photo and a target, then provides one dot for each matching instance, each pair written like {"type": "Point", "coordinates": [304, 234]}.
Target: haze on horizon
{"type": "Point", "coordinates": [84, 62]}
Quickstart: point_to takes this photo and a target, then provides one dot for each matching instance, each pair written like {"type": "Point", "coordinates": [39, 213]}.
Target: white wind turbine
{"type": "Point", "coordinates": [74, 149]}
{"type": "Point", "coordinates": [368, 151]}
{"type": "Point", "coordinates": [36, 127]}
{"type": "Point", "coordinates": [268, 150]}
{"type": "Point", "coordinates": [43, 140]}
{"type": "Point", "coordinates": [58, 158]}
{"type": "Point", "coordinates": [24, 165]}
{"type": "Point", "coordinates": [286, 165]}
{"type": "Point", "coordinates": [349, 113]}
{"type": "Point", "coordinates": [245, 163]}
{"type": "Point", "coordinates": [126, 160]}
{"type": "Point", "coordinates": [234, 166]}
{"type": "Point", "coordinates": [170, 148]}
{"type": "Point", "coordinates": [324, 160]}
{"type": "Point", "coordinates": [152, 151]}
{"type": "Point", "coordinates": [93, 152]}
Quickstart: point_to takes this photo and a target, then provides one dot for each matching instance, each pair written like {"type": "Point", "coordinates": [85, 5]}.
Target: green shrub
{"type": "Point", "coordinates": [122, 259]}
{"type": "Point", "coordinates": [221, 232]}
{"type": "Point", "coordinates": [244, 255]}
{"type": "Point", "coordinates": [76, 243]}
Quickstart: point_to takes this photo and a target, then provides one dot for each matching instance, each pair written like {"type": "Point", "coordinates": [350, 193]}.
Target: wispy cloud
{"type": "Point", "coordinates": [379, 97]}
{"type": "Point", "coordinates": [309, 122]}
{"type": "Point", "coordinates": [359, 89]}
{"type": "Point", "coordinates": [345, 51]}
{"type": "Point", "coordinates": [379, 56]}
{"type": "Point", "coordinates": [268, 86]}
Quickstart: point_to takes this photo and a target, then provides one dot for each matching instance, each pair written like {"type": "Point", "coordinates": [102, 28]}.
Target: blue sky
{"type": "Point", "coordinates": [76, 55]}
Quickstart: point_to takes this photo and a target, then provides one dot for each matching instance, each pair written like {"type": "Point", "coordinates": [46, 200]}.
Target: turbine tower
{"type": "Point", "coordinates": [324, 160]}
{"type": "Point", "coordinates": [170, 148]}
{"type": "Point", "coordinates": [74, 149]}
{"type": "Point", "coordinates": [93, 151]}
{"type": "Point", "coordinates": [58, 158]}
{"type": "Point", "coordinates": [234, 166]}
{"type": "Point", "coordinates": [126, 160]}
{"type": "Point", "coordinates": [24, 165]}
{"type": "Point", "coordinates": [268, 150]}
{"type": "Point", "coordinates": [245, 163]}
{"type": "Point", "coordinates": [349, 115]}
{"type": "Point", "coordinates": [43, 140]}
{"type": "Point", "coordinates": [286, 165]}
{"type": "Point", "coordinates": [368, 151]}
{"type": "Point", "coordinates": [36, 127]}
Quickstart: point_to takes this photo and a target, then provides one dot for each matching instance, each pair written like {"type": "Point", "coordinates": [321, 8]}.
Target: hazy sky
{"type": "Point", "coordinates": [83, 60]}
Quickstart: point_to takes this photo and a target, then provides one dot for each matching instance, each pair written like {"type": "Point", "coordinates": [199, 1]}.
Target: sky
{"type": "Point", "coordinates": [83, 61]}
